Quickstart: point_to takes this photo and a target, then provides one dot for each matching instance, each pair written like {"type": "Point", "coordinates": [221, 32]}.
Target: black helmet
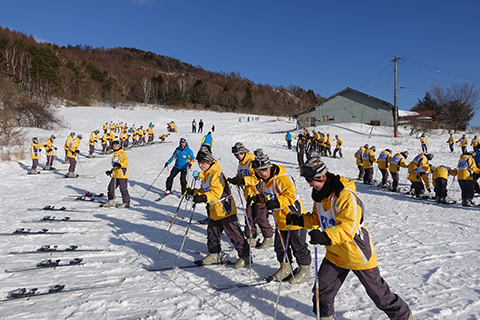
{"type": "Point", "coordinates": [261, 161]}
{"type": "Point", "coordinates": [72, 133]}
{"type": "Point", "coordinates": [373, 148]}
{"type": "Point", "coordinates": [34, 138]}
{"type": "Point", "coordinates": [239, 148]}
{"type": "Point", "coordinates": [313, 168]}
{"type": "Point", "coordinates": [204, 155]}
{"type": "Point", "coordinates": [366, 146]}
{"type": "Point", "coordinates": [52, 137]}
{"type": "Point", "coordinates": [116, 142]}
{"type": "Point", "coordinates": [404, 153]}
{"type": "Point", "coordinates": [429, 156]}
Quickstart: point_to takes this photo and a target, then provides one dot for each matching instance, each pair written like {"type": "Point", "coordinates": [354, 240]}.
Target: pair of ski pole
{"type": "Point", "coordinates": [154, 180]}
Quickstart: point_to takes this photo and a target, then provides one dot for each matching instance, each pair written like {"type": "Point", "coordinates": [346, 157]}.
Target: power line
{"type": "Point", "coordinates": [439, 70]}
{"type": "Point", "coordinates": [375, 76]}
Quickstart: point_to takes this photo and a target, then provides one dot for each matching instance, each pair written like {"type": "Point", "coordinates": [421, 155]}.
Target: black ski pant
{"type": "Point", "coordinates": [467, 187]}
{"type": "Point", "coordinates": [183, 178]}
{"type": "Point", "coordinates": [258, 214]}
{"type": "Point", "coordinates": [424, 148]}
{"type": "Point", "coordinates": [49, 161]}
{"type": "Point", "coordinates": [296, 244]}
{"type": "Point", "coordinates": [92, 148]}
{"type": "Point", "coordinates": [300, 157]}
{"type": "Point", "coordinates": [441, 187]}
{"type": "Point", "coordinates": [384, 176]}
{"type": "Point", "coordinates": [331, 278]}
{"type": "Point", "coordinates": [123, 184]}
{"type": "Point", "coordinates": [289, 144]}
{"type": "Point", "coordinates": [368, 176]}
{"type": "Point", "coordinates": [34, 164]}
{"type": "Point", "coordinates": [418, 187]}
{"type": "Point", "coordinates": [361, 172]}
{"type": "Point", "coordinates": [339, 150]}
{"type": "Point", "coordinates": [233, 232]}
{"type": "Point", "coordinates": [395, 179]}
{"type": "Point", "coordinates": [73, 164]}
{"type": "Point", "coordinates": [451, 147]}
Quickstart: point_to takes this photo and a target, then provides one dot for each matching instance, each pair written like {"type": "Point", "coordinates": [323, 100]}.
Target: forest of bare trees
{"type": "Point", "coordinates": [82, 75]}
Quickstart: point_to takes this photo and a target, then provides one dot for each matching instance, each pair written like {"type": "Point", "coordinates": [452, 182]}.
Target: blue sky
{"type": "Point", "coordinates": [325, 46]}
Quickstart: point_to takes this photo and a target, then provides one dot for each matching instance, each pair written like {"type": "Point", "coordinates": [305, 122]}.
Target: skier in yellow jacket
{"type": "Point", "coordinates": [221, 209]}
{"type": "Point", "coordinates": [50, 152]}
{"type": "Point", "coordinates": [359, 158]}
{"type": "Point", "coordinates": [339, 213]}
{"type": "Point", "coordinates": [463, 143]}
{"type": "Point", "coordinates": [66, 146]}
{"type": "Point", "coordinates": [279, 194]}
{"type": "Point", "coordinates": [451, 142]}
{"type": "Point", "coordinates": [91, 142]}
{"type": "Point", "coordinates": [119, 177]}
{"type": "Point", "coordinates": [368, 161]}
{"type": "Point", "coordinates": [384, 159]}
{"type": "Point", "coordinates": [257, 214]}
{"type": "Point", "coordinates": [35, 155]}
{"type": "Point", "coordinates": [466, 169]}
{"type": "Point", "coordinates": [439, 181]}
{"type": "Point", "coordinates": [423, 142]}
{"type": "Point", "coordinates": [398, 161]}
{"type": "Point", "coordinates": [338, 148]}
{"type": "Point", "coordinates": [72, 156]}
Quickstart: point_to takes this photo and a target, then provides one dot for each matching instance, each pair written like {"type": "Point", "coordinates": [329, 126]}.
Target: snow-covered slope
{"type": "Point", "coordinates": [429, 254]}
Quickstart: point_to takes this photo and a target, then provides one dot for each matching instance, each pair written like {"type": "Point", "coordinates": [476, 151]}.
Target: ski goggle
{"type": "Point", "coordinates": [183, 140]}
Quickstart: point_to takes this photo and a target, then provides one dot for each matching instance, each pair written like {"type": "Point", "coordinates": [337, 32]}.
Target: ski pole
{"type": "Point", "coordinates": [184, 238]}
{"type": "Point", "coordinates": [317, 289]}
{"type": "Point", "coordinates": [249, 224]}
{"type": "Point", "coordinates": [194, 181]}
{"type": "Point", "coordinates": [281, 272]}
{"type": "Point", "coordinates": [171, 223]}
{"type": "Point", "coordinates": [154, 181]}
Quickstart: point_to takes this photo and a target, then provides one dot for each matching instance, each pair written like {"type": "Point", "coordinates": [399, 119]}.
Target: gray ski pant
{"type": "Point", "coordinates": [259, 215]}
{"type": "Point", "coordinates": [331, 278]}
{"type": "Point", "coordinates": [233, 231]}
{"type": "Point", "coordinates": [296, 244]}
{"type": "Point", "coordinates": [123, 184]}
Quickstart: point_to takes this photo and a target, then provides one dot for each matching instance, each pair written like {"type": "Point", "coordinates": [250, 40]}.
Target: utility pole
{"type": "Point", "coordinates": [395, 106]}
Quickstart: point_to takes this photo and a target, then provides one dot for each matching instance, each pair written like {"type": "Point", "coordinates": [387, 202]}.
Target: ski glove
{"type": "Point", "coordinates": [77, 151]}
{"type": "Point", "coordinates": [108, 172]}
{"type": "Point", "coordinates": [166, 164]}
{"type": "Point", "coordinates": [238, 181]}
{"type": "Point", "coordinates": [319, 237]}
{"type": "Point", "coordinates": [117, 165]}
{"type": "Point", "coordinates": [195, 174]}
{"type": "Point", "coordinates": [200, 198]}
{"type": "Point", "coordinates": [189, 191]}
{"type": "Point", "coordinates": [253, 199]}
{"type": "Point", "coordinates": [295, 220]}
{"type": "Point", "coordinates": [272, 204]}
{"type": "Point", "coordinates": [429, 190]}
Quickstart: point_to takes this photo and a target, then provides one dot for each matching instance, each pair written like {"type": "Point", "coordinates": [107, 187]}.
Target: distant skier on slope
{"type": "Point", "coordinates": [35, 155]}
{"type": "Point", "coordinates": [119, 175]}
{"type": "Point", "coordinates": [184, 159]}
{"type": "Point", "coordinates": [340, 214]}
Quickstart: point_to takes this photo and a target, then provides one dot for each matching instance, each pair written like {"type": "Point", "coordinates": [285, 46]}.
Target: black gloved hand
{"type": "Point", "coordinates": [272, 204]}
{"type": "Point", "coordinates": [55, 148]}
{"type": "Point", "coordinates": [238, 181]}
{"type": "Point", "coordinates": [200, 198]}
{"type": "Point", "coordinates": [77, 151]}
{"type": "Point", "coordinates": [189, 191]}
{"type": "Point", "coordinates": [166, 164]}
{"type": "Point", "coordinates": [39, 150]}
{"type": "Point", "coordinates": [319, 237]}
{"type": "Point", "coordinates": [295, 220]}
{"type": "Point", "coordinates": [253, 199]}
{"type": "Point", "coordinates": [108, 172]}
{"type": "Point", "coordinates": [429, 190]}
{"type": "Point", "coordinates": [117, 165]}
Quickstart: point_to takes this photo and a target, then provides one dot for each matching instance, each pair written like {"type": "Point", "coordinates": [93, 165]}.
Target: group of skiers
{"type": "Point", "coordinates": [268, 188]}
{"type": "Point", "coordinates": [309, 143]}
{"type": "Point", "coordinates": [463, 142]}
{"type": "Point", "coordinates": [420, 172]}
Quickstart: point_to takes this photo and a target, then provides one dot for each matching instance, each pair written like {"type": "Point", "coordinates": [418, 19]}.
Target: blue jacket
{"type": "Point", "coordinates": [289, 136]}
{"type": "Point", "coordinates": [207, 140]}
{"type": "Point", "coordinates": [182, 157]}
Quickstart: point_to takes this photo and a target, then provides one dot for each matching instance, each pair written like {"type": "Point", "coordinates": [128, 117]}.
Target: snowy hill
{"type": "Point", "coordinates": [428, 254]}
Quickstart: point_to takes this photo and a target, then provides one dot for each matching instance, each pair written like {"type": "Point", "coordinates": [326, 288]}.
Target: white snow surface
{"type": "Point", "coordinates": [428, 253]}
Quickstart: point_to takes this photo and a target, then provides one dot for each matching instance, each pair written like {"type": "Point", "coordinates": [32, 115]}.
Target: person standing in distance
{"type": "Point", "coordinates": [184, 159]}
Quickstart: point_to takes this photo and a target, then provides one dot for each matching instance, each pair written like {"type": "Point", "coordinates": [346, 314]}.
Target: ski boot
{"type": "Point", "coordinates": [301, 275]}
{"type": "Point", "coordinates": [267, 242]}
{"type": "Point", "coordinates": [252, 242]}
{"type": "Point", "coordinates": [124, 205]}
{"type": "Point", "coordinates": [109, 203]}
{"type": "Point", "coordinates": [468, 203]}
{"type": "Point", "coordinates": [287, 272]}
{"type": "Point", "coordinates": [90, 156]}
{"type": "Point", "coordinates": [71, 175]}
{"type": "Point", "coordinates": [242, 262]}
{"type": "Point", "coordinates": [211, 258]}
{"type": "Point", "coordinates": [33, 172]}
